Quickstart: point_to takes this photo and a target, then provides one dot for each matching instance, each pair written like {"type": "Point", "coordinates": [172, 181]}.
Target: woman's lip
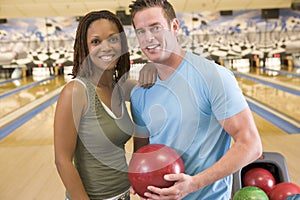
{"type": "Point", "coordinates": [106, 57]}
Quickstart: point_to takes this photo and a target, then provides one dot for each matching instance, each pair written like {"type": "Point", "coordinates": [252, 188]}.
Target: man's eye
{"type": "Point", "coordinates": [140, 32]}
{"type": "Point", "coordinates": [156, 28]}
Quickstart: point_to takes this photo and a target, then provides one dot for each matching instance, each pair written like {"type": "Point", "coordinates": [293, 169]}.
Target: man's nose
{"type": "Point", "coordinates": [148, 35]}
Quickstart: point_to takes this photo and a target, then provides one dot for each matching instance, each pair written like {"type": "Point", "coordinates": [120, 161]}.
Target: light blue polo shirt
{"type": "Point", "coordinates": [183, 112]}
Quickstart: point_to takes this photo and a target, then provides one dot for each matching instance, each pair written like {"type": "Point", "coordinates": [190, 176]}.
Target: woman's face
{"type": "Point", "coordinates": [104, 44]}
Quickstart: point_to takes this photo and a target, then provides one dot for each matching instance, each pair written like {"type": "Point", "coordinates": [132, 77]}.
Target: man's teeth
{"type": "Point", "coordinates": [152, 46]}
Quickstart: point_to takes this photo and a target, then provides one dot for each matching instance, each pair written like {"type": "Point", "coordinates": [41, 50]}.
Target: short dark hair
{"type": "Point", "coordinates": [81, 51]}
{"type": "Point", "coordinates": [138, 5]}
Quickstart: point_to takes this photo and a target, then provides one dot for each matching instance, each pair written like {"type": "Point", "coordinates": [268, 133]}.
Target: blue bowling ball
{"type": "Point", "coordinates": [293, 197]}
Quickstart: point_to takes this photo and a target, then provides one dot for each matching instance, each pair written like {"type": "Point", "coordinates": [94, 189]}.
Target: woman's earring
{"type": "Point", "coordinates": [116, 75]}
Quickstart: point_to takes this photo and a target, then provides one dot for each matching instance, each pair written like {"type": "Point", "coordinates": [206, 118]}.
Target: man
{"type": "Point", "coordinates": [195, 107]}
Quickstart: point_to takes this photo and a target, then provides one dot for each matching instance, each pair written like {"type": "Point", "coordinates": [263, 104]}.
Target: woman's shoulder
{"type": "Point", "coordinates": [74, 86]}
{"type": "Point", "coordinates": [73, 93]}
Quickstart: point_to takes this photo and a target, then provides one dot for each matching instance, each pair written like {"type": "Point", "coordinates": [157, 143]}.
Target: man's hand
{"type": "Point", "coordinates": [184, 184]}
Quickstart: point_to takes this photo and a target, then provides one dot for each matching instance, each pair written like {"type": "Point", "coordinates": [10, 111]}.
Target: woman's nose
{"type": "Point", "coordinates": [105, 46]}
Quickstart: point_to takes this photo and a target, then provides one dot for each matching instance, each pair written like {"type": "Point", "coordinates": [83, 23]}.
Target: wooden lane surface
{"type": "Point", "coordinates": [27, 158]}
{"type": "Point", "coordinates": [14, 84]}
{"type": "Point", "coordinates": [27, 161]}
{"type": "Point", "coordinates": [23, 97]}
{"type": "Point", "coordinates": [292, 78]}
{"type": "Point", "coordinates": [279, 100]}
{"type": "Point", "coordinates": [274, 98]}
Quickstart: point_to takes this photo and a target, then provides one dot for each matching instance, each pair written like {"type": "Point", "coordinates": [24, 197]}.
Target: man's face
{"type": "Point", "coordinates": [155, 34]}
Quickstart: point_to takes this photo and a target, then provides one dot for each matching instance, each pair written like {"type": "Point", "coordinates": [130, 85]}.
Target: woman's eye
{"type": "Point", "coordinates": [95, 41]}
{"type": "Point", "coordinates": [113, 39]}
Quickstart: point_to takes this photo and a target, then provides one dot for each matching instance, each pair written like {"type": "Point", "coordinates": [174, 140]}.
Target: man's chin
{"type": "Point", "coordinates": [153, 55]}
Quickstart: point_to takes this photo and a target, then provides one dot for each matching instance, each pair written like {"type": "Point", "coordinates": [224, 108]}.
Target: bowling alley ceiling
{"type": "Point", "coordinates": [44, 8]}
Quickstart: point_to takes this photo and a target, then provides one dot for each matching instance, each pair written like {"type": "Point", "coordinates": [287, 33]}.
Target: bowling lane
{"type": "Point", "coordinates": [27, 161]}
{"type": "Point", "coordinates": [276, 99]}
{"type": "Point", "coordinates": [21, 98]}
{"type": "Point", "coordinates": [276, 140]}
{"type": "Point", "coordinates": [288, 77]}
{"type": "Point", "coordinates": [27, 158]}
{"type": "Point", "coordinates": [7, 85]}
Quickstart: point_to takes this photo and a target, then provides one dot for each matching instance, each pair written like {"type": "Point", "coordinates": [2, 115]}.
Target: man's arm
{"type": "Point", "coordinates": [246, 148]}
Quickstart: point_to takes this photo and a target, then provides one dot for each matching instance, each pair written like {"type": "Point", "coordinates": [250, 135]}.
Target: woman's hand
{"type": "Point", "coordinates": [147, 75]}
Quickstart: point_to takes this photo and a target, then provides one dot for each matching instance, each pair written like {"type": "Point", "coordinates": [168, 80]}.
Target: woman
{"type": "Point", "coordinates": [91, 124]}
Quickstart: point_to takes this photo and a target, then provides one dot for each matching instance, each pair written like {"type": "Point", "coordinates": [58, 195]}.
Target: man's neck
{"type": "Point", "coordinates": [166, 69]}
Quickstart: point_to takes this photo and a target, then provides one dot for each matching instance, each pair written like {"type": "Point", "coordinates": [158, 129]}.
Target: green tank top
{"type": "Point", "coordinates": [100, 156]}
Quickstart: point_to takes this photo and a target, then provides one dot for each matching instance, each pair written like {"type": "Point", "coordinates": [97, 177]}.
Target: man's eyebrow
{"type": "Point", "coordinates": [153, 24]}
